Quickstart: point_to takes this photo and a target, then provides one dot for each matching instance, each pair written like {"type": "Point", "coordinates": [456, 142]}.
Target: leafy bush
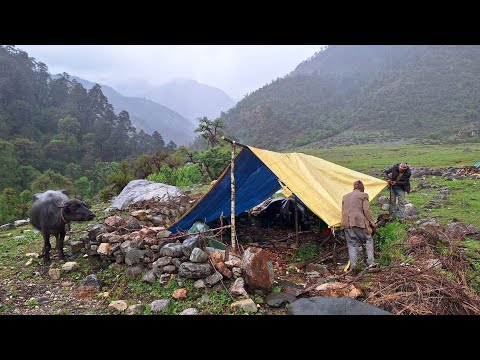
{"type": "Point", "coordinates": [166, 175]}
{"type": "Point", "coordinates": [183, 176]}
{"type": "Point", "coordinates": [8, 205]}
{"type": "Point", "coordinates": [50, 180]}
{"type": "Point", "coordinates": [84, 188]}
{"type": "Point", "coordinates": [391, 241]}
{"type": "Point", "coordinates": [188, 175]}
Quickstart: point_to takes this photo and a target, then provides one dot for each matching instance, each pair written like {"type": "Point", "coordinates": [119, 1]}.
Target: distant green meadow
{"type": "Point", "coordinates": [368, 158]}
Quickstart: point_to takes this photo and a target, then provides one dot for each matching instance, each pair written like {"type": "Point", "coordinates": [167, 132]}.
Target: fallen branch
{"type": "Point", "coordinates": [320, 258]}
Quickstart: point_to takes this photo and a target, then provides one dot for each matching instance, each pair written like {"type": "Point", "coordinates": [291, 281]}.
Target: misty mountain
{"type": "Point", "coordinates": [189, 98]}
{"type": "Point", "coordinates": [358, 94]}
{"type": "Point", "coordinates": [148, 115]}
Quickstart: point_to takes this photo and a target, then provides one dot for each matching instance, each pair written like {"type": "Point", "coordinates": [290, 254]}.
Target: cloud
{"type": "Point", "coordinates": [236, 69]}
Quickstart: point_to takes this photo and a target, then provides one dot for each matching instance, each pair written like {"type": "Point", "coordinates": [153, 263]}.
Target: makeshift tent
{"type": "Point", "coordinates": [318, 183]}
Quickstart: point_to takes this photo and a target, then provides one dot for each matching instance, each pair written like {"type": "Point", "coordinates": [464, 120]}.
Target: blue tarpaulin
{"type": "Point", "coordinates": [477, 164]}
{"type": "Point", "coordinates": [254, 183]}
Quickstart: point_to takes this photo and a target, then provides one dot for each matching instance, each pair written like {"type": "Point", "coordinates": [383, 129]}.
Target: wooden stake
{"type": "Point", "coordinates": [221, 225]}
{"type": "Point", "coordinates": [232, 198]}
{"type": "Point", "coordinates": [296, 220]}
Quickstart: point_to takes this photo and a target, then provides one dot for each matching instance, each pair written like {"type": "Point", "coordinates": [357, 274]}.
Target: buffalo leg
{"type": "Point", "coordinates": [60, 239]}
{"type": "Point", "coordinates": [46, 249]}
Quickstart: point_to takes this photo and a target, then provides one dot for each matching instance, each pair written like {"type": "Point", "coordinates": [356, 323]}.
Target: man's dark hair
{"type": "Point", "coordinates": [358, 185]}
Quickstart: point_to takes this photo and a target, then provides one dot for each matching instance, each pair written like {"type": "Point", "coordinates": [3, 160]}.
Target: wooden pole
{"type": "Point", "coordinates": [233, 142]}
{"type": "Point", "coordinates": [221, 225]}
{"type": "Point", "coordinates": [296, 219]}
{"type": "Point", "coordinates": [232, 198]}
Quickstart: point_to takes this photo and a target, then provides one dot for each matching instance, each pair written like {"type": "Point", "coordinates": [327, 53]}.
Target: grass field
{"type": "Point", "coordinates": [368, 158]}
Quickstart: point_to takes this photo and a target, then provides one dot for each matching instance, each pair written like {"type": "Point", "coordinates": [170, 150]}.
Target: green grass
{"type": "Point", "coordinates": [391, 243]}
{"type": "Point", "coordinates": [471, 249]}
{"type": "Point", "coordinates": [305, 252]}
{"type": "Point", "coordinates": [462, 203]}
{"type": "Point", "coordinates": [368, 158]}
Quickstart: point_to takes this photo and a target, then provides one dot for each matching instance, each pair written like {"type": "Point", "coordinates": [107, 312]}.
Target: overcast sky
{"type": "Point", "coordinates": [236, 69]}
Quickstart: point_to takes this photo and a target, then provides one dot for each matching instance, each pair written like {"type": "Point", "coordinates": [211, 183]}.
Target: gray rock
{"type": "Point", "coordinates": [189, 244]}
{"type": "Point", "coordinates": [134, 256]}
{"type": "Point", "coordinates": [157, 306]}
{"type": "Point", "coordinates": [76, 246]}
{"type": "Point", "coordinates": [133, 271]}
{"type": "Point", "coordinates": [136, 309]}
{"type": "Point", "coordinates": [54, 274]}
{"type": "Point", "coordinates": [70, 266]}
{"type": "Point", "coordinates": [383, 200]}
{"type": "Point", "coordinates": [332, 306]}
{"type": "Point", "coordinates": [93, 281]}
{"type": "Point", "coordinates": [173, 250]}
{"type": "Point", "coordinates": [214, 278]}
{"type": "Point", "coordinates": [149, 277]}
{"type": "Point", "coordinates": [247, 305]}
{"type": "Point", "coordinates": [218, 287]}
{"type": "Point", "coordinates": [156, 220]}
{"type": "Point", "coordinates": [137, 243]}
{"type": "Point", "coordinates": [96, 230]}
{"type": "Point", "coordinates": [198, 256]}
{"type": "Point", "coordinates": [410, 210]}
{"type": "Point", "coordinates": [163, 261]}
{"type": "Point", "coordinates": [189, 311]}
{"type": "Point", "coordinates": [119, 259]}
{"type": "Point", "coordinates": [132, 223]}
{"type": "Point", "coordinates": [199, 284]}
{"type": "Point", "coordinates": [191, 270]}
{"type": "Point", "coordinates": [126, 246]}
{"type": "Point", "coordinates": [169, 269]}
{"type": "Point", "coordinates": [144, 190]}
{"type": "Point", "coordinates": [7, 227]}
{"type": "Point", "coordinates": [280, 299]}
{"type": "Point", "coordinates": [177, 262]}
{"type": "Point", "coordinates": [180, 280]}
{"type": "Point", "coordinates": [21, 222]}
{"type": "Point", "coordinates": [238, 288]}
{"type": "Point", "coordinates": [163, 234]}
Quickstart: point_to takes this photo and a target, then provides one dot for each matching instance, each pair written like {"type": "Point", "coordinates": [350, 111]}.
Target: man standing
{"type": "Point", "coordinates": [398, 177]}
{"type": "Point", "coordinates": [357, 222]}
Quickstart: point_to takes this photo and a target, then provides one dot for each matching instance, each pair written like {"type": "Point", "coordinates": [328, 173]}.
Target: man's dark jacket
{"type": "Point", "coordinates": [404, 181]}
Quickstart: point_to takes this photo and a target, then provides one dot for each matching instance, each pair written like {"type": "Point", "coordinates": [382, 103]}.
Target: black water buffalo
{"type": "Point", "coordinates": [51, 213]}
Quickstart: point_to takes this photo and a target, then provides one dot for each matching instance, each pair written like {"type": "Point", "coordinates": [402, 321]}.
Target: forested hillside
{"type": "Point", "coordinates": [148, 115]}
{"type": "Point", "coordinates": [57, 127]}
{"type": "Point", "coordinates": [55, 134]}
{"type": "Point", "coordinates": [360, 94]}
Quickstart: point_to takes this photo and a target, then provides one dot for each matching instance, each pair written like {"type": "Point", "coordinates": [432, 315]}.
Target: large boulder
{"type": "Point", "coordinates": [333, 306]}
{"type": "Point", "coordinates": [143, 190]}
{"type": "Point", "coordinates": [257, 269]}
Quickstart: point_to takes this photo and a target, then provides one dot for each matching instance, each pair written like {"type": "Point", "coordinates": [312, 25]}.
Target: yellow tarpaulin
{"type": "Point", "coordinates": [318, 183]}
